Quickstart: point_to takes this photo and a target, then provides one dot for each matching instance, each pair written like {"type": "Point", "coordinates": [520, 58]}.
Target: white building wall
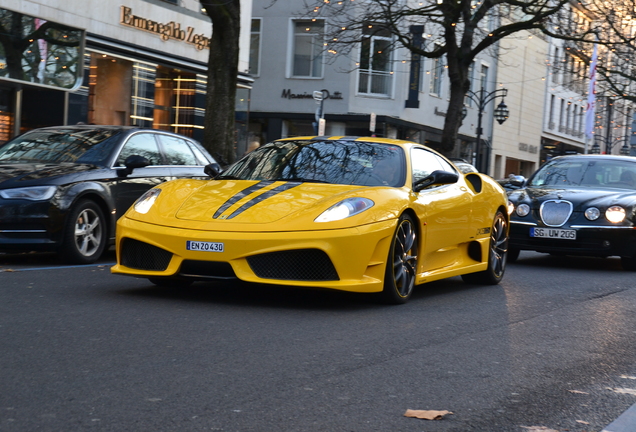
{"type": "Point", "coordinates": [522, 70]}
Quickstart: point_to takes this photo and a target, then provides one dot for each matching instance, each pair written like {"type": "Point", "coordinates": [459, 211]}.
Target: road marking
{"type": "Point", "coordinates": [58, 267]}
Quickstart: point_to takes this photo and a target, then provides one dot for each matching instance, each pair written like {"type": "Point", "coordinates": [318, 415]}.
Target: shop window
{"type": "Point", "coordinates": [375, 71]}
{"type": "Point", "coordinates": [308, 48]}
{"type": "Point", "coordinates": [40, 51]}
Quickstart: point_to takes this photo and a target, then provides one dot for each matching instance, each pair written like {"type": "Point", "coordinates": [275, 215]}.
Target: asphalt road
{"type": "Point", "coordinates": [550, 349]}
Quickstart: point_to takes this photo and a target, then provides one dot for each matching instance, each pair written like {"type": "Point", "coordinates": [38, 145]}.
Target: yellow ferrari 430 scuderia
{"type": "Point", "coordinates": [368, 215]}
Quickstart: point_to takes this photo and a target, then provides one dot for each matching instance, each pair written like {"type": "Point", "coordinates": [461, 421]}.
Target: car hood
{"type": "Point", "coordinates": [264, 205]}
{"type": "Point", "coordinates": [580, 197]}
{"type": "Point", "coordinates": [26, 174]}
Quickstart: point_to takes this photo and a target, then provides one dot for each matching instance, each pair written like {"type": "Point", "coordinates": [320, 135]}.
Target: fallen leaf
{"type": "Point", "coordinates": [426, 414]}
{"type": "Point", "coordinates": [583, 422]}
{"type": "Point", "coordinates": [578, 391]}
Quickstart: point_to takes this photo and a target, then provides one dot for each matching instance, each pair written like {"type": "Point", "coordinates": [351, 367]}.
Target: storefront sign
{"type": "Point", "coordinates": [166, 31]}
{"type": "Point", "coordinates": [287, 94]}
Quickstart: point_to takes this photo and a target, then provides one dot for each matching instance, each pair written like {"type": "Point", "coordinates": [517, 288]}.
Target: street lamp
{"type": "Point", "coordinates": [482, 98]}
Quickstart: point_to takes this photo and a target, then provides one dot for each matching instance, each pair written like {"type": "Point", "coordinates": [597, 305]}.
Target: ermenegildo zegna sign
{"type": "Point", "coordinates": [165, 31]}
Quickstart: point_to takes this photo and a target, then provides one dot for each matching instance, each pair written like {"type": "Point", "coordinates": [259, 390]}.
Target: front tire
{"type": "Point", "coordinates": [497, 255]}
{"type": "Point", "coordinates": [85, 234]}
{"type": "Point", "coordinates": [401, 265]}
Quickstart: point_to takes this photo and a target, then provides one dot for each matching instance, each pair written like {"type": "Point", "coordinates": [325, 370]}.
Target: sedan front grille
{"type": "Point", "coordinates": [143, 256]}
{"type": "Point", "coordinates": [555, 213]}
{"type": "Point", "coordinates": [300, 265]}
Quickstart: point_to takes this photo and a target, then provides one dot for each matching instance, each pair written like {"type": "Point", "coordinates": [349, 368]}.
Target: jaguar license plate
{"type": "Point", "coordinates": [553, 233]}
{"type": "Point", "coordinates": [204, 246]}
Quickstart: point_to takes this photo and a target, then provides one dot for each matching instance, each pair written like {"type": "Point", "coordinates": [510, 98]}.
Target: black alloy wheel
{"type": "Point", "coordinates": [401, 266]}
{"type": "Point", "coordinates": [497, 254]}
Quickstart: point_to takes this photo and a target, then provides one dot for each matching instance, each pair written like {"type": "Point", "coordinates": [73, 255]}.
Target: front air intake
{"type": "Point", "coordinates": [143, 256]}
{"type": "Point", "coordinates": [300, 265]}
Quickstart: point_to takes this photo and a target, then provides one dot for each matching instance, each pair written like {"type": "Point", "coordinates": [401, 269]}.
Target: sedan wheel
{"type": "Point", "coordinates": [401, 268]}
{"type": "Point", "coordinates": [497, 255]}
{"type": "Point", "coordinates": [85, 235]}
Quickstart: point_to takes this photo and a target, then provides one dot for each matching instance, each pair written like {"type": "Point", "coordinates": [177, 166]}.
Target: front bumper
{"type": "Point", "coordinates": [30, 225]}
{"type": "Point", "coordinates": [356, 255]}
{"type": "Point", "coordinates": [590, 241]}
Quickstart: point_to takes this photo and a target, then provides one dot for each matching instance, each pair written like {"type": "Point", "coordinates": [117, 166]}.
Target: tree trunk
{"type": "Point", "coordinates": [219, 136]}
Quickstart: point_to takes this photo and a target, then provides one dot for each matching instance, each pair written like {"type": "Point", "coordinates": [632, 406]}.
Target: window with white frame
{"type": "Point", "coordinates": [483, 77]}
{"type": "Point", "coordinates": [308, 48]}
{"type": "Point", "coordinates": [437, 76]}
{"type": "Point", "coordinates": [255, 46]}
{"type": "Point", "coordinates": [471, 70]}
{"type": "Point", "coordinates": [375, 71]}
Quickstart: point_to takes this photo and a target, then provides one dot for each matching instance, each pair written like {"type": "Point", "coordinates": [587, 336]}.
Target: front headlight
{"type": "Point", "coordinates": [145, 202]}
{"type": "Point", "coordinates": [592, 213]}
{"type": "Point", "coordinates": [615, 214]}
{"type": "Point", "coordinates": [511, 208]}
{"type": "Point", "coordinates": [35, 193]}
{"type": "Point", "coordinates": [523, 210]}
{"type": "Point", "coordinates": [345, 209]}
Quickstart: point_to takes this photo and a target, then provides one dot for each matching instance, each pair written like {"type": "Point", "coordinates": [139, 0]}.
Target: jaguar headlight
{"type": "Point", "coordinates": [345, 209]}
{"type": "Point", "coordinates": [145, 202]}
{"type": "Point", "coordinates": [592, 213]}
{"type": "Point", "coordinates": [615, 214]}
{"type": "Point", "coordinates": [523, 210]}
{"type": "Point", "coordinates": [34, 193]}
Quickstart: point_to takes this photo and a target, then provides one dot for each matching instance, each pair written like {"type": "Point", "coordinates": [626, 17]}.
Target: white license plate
{"type": "Point", "coordinates": [553, 233]}
{"type": "Point", "coordinates": [204, 246]}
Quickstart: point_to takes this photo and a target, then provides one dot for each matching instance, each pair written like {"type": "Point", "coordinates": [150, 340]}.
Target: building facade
{"type": "Point", "coordinates": [392, 96]}
{"type": "Point", "coordinates": [139, 62]}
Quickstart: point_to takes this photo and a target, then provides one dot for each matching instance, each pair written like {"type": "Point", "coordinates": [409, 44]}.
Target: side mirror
{"type": "Point", "coordinates": [437, 177]}
{"type": "Point", "coordinates": [132, 162]}
{"type": "Point", "coordinates": [212, 170]}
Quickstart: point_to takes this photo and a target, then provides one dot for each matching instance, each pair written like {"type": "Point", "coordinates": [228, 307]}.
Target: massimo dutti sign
{"type": "Point", "coordinates": [165, 31]}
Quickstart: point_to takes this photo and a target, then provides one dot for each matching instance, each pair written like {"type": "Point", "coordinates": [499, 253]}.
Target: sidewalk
{"type": "Point", "coordinates": [626, 422]}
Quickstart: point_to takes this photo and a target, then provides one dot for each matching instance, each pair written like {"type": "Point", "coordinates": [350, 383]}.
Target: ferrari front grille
{"type": "Point", "coordinates": [300, 265]}
{"type": "Point", "coordinates": [143, 256]}
{"type": "Point", "coordinates": [555, 213]}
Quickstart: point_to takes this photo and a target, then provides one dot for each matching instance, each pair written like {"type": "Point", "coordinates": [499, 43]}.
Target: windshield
{"type": "Point", "coordinates": [90, 146]}
{"type": "Point", "coordinates": [338, 162]}
{"type": "Point", "coordinates": [587, 172]}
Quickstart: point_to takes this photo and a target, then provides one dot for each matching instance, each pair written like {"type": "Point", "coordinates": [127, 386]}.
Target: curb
{"type": "Point", "coordinates": [626, 422]}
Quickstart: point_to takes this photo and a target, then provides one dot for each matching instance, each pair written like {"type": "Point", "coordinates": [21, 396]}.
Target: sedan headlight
{"type": "Point", "coordinates": [35, 193]}
{"type": "Point", "coordinates": [615, 214]}
{"type": "Point", "coordinates": [145, 202]}
{"type": "Point", "coordinates": [345, 209]}
{"type": "Point", "coordinates": [592, 213]}
{"type": "Point", "coordinates": [523, 210]}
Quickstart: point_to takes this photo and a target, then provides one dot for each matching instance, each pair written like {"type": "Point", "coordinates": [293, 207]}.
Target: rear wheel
{"type": "Point", "coordinates": [85, 234]}
{"type": "Point", "coordinates": [497, 254]}
{"type": "Point", "coordinates": [401, 266]}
